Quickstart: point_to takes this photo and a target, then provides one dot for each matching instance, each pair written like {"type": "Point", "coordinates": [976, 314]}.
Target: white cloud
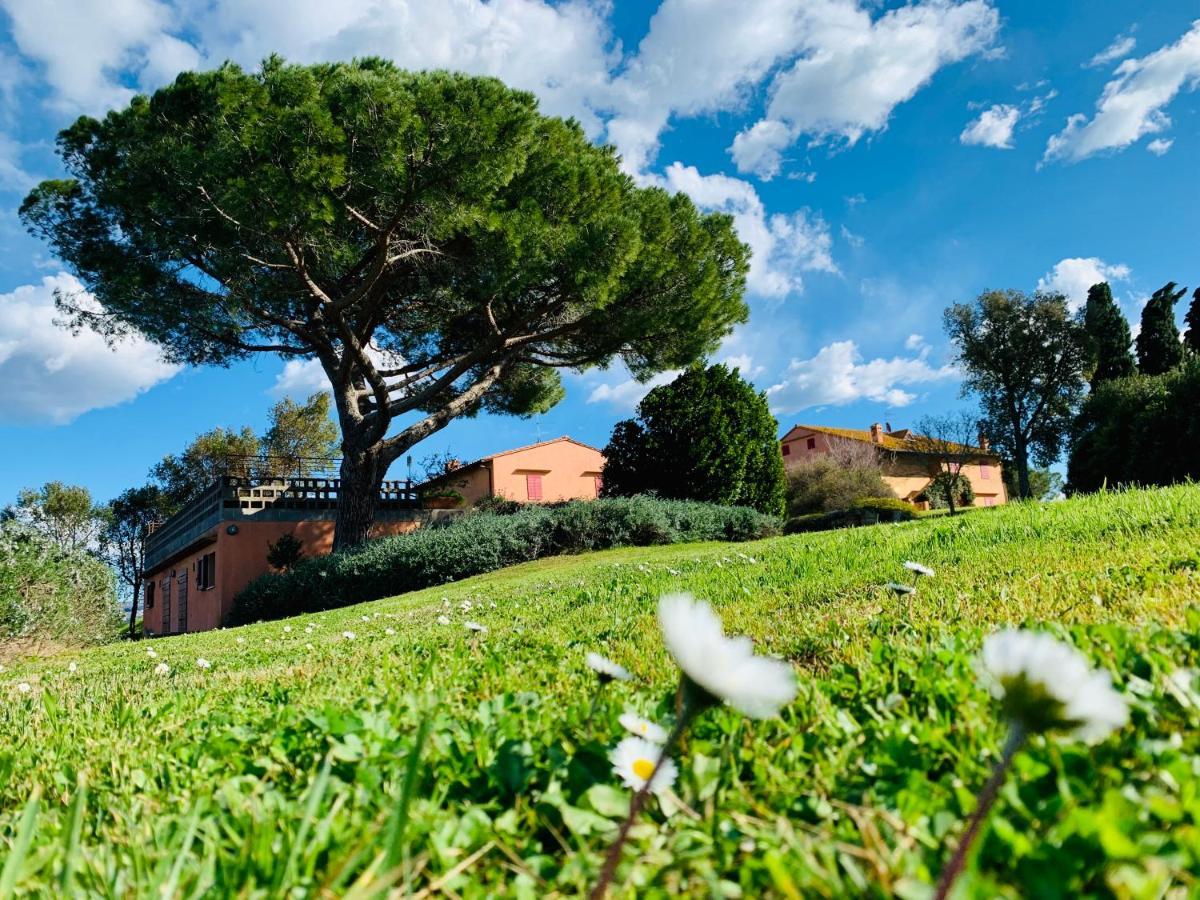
{"type": "Point", "coordinates": [51, 375]}
{"type": "Point", "coordinates": [759, 149]}
{"type": "Point", "coordinates": [852, 70]}
{"type": "Point", "coordinates": [1159, 146]}
{"type": "Point", "coordinates": [559, 51]}
{"type": "Point", "coordinates": [300, 378]}
{"type": "Point", "coordinates": [782, 246]}
{"type": "Point", "coordinates": [914, 342]}
{"type": "Point", "coordinates": [837, 375]}
{"type": "Point", "coordinates": [628, 393]}
{"type": "Point", "coordinates": [1122, 45]}
{"type": "Point", "coordinates": [854, 240]}
{"type": "Point", "coordinates": [993, 128]}
{"type": "Point", "coordinates": [1073, 276]}
{"type": "Point", "coordinates": [1132, 104]}
{"type": "Point", "coordinates": [744, 363]}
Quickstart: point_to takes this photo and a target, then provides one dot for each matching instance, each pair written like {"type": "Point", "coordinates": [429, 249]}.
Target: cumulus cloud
{"type": "Point", "coordinates": [759, 149]}
{"type": "Point", "coordinates": [625, 394]}
{"type": "Point", "coordinates": [993, 128]}
{"type": "Point", "coordinates": [782, 245]}
{"type": "Point", "coordinates": [851, 71]}
{"type": "Point", "coordinates": [914, 342]}
{"type": "Point", "coordinates": [1122, 45]}
{"type": "Point", "coordinates": [560, 51]}
{"type": "Point", "coordinates": [1132, 105]}
{"type": "Point", "coordinates": [51, 375]}
{"type": "Point", "coordinates": [1160, 146]}
{"type": "Point", "coordinates": [1073, 276]}
{"type": "Point", "coordinates": [300, 378]}
{"type": "Point", "coordinates": [838, 375]}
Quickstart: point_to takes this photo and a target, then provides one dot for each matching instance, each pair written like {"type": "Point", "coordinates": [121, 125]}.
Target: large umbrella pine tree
{"type": "Point", "coordinates": [434, 242]}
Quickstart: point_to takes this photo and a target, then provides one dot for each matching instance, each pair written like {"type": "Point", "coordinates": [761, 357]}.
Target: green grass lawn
{"type": "Point", "coordinates": [285, 768]}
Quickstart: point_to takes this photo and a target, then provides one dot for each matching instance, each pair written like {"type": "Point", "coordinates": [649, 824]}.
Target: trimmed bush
{"type": "Point", "coordinates": [54, 595]}
{"type": "Point", "coordinates": [482, 542]}
{"type": "Point", "coordinates": [864, 511]}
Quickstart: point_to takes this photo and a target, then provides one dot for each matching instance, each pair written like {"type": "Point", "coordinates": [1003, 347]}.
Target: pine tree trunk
{"type": "Point", "coordinates": [133, 607]}
{"type": "Point", "coordinates": [357, 495]}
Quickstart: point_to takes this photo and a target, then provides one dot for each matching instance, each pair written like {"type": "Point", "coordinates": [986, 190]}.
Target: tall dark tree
{"type": "Point", "coordinates": [1158, 347]}
{"type": "Point", "coordinates": [1191, 337]}
{"type": "Point", "coordinates": [1108, 335]}
{"type": "Point", "coordinates": [1025, 357]}
{"type": "Point", "coordinates": [708, 435]}
{"type": "Point", "coordinates": [123, 542]}
{"type": "Point", "coordinates": [436, 244]}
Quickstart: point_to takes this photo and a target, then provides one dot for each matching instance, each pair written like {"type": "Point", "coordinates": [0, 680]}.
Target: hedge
{"type": "Point", "coordinates": [481, 542]}
{"type": "Point", "coordinates": [864, 511]}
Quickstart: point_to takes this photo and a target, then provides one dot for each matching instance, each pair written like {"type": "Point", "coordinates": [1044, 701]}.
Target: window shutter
{"type": "Point", "coordinates": [533, 487]}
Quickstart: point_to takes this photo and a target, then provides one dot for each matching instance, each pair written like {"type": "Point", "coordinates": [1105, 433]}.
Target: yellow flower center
{"type": "Point", "coordinates": [643, 769]}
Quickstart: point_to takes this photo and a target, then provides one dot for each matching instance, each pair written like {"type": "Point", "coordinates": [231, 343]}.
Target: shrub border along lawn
{"type": "Point", "coordinates": [485, 541]}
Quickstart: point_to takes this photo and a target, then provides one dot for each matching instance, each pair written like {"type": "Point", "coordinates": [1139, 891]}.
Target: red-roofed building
{"type": "Point", "coordinates": [548, 471]}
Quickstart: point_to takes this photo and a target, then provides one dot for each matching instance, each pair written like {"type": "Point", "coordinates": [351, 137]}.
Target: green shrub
{"type": "Point", "coordinates": [935, 494]}
{"type": "Point", "coordinates": [833, 481]}
{"type": "Point", "coordinates": [863, 511]}
{"type": "Point", "coordinates": [482, 542]}
{"type": "Point", "coordinates": [501, 506]}
{"type": "Point", "coordinates": [51, 594]}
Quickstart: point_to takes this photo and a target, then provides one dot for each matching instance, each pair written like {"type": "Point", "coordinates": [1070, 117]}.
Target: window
{"type": "Point", "coordinates": [533, 487]}
{"type": "Point", "coordinates": [985, 471]}
{"type": "Point", "coordinates": [787, 449]}
{"type": "Point", "coordinates": [150, 595]}
{"type": "Point", "coordinates": [811, 443]}
{"type": "Point", "coordinates": [599, 480]}
{"type": "Point", "coordinates": [206, 571]}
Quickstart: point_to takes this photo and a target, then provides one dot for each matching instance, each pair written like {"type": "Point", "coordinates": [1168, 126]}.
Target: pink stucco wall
{"type": "Point", "coordinates": [567, 471]}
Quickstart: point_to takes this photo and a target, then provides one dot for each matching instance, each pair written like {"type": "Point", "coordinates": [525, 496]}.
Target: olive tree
{"type": "Point", "coordinates": [431, 240]}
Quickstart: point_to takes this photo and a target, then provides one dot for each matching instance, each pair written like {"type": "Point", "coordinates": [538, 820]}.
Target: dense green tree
{"type": "Point", "coordinates": [210, 455]}
{"type": "Point", "coordinates": [708, 435]}
{"type": "Point", "coordinates": [1142, 430]}
{"type": "Point", "coordinates": [301, 437]}
{"type": "Point", "coordinates": [1024, 356]}
{"type": "Point", "coordinates": [432, 240]}
{"type": "Point", "coordinates": [64, 513]}
{"type": "Point", "coordinates": [1191, 337]}
{"type": "Point", "coordinates": [1158, 347]}
{"type": "Point", "coordinates": [123, 541]}
{"type": "Point", "coordinates": [1108, 335]}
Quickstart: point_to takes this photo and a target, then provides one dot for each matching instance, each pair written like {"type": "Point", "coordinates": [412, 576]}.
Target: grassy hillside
{"type": "Point", "coordinates": [283, 770]}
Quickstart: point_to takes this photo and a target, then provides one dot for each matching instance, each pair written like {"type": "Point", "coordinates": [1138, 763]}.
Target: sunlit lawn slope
{"type": "Point", "coordinates": [283, 770]}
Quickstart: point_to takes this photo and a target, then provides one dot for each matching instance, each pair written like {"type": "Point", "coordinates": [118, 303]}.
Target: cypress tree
{"type": "Point", "coordinates": [1108, 335]}
{"type": "Point", "coordinates": [1191, 337]}
{"type": "Point", "coordinates": [1158, 346]}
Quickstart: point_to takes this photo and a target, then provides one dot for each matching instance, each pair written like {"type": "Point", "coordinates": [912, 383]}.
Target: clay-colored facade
{"type": "Point", "coordinates": [550, 471]}
{"type": "Point", "coordinates": [906, 470]}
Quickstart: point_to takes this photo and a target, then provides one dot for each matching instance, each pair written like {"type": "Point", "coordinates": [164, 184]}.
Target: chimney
{"type": "Point", "coordinates": [984, 443]}
{"type": "Point", "coordinates": [876, 433]}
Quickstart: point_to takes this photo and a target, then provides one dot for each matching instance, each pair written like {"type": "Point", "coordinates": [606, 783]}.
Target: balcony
{"type": "Point", "coordinates": [275, 497]}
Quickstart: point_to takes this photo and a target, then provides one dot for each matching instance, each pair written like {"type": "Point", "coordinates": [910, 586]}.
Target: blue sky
{"type": "Point", "coordinates": [882, 159]}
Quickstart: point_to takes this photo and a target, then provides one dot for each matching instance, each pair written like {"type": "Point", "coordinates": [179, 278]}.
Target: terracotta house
{"type": "Point", "coordinates": [908, 467]}
{"type": "Point", "coordinates": [558, 469]}
{"type": "Point", "coordinates": [200, 558]}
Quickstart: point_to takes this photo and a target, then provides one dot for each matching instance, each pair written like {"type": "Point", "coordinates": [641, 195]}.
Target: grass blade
{"type": "Point", "coordinates": [16, 859]}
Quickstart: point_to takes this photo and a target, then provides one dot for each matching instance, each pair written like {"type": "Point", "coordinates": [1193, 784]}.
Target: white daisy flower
{"type": "Point", "coordinates": [72, 668]}
{"type": "Point", "coordinates": [287, 629]}
{"type": "Point", "coordinates": [900, 589]}
{"type": "Point", "coordinates": [1047, 685]}
{"type": "Point", "coordinates": [443, 620]}
{"type": "Point", "coordinates": [366, 618]}
{"type": "Point", "coordinates": [644, 728]}
{"type": "Point", "coordinates": [474, 626]}
{"type": "Point", "coordinates": [918, 568]}
{"type": "Point", "coordinates": [24, 687]}
{"type": "Point", "coordinates": [724, 668]}
{"type": "Point", "coordinates": [162, 669]}
{"type": "Point", "coordinates": [308, 646]}
{"type": "Point", "coordinates": [308, 630]}
{"type": "Point", "coordinates": [633, 761]}
{"type": "Point", "coordinates": [241, 640]}
{"type": "Point", "coordinates": [389, 631]}
{"type": "Point", "coordinates": [150, 653]}
{"type": "Point", "coordinates": [607, 669]}
{"type": "Point", "coordinates": [203, 663]}
{"type": "Point", "coordinates": [348, 635]}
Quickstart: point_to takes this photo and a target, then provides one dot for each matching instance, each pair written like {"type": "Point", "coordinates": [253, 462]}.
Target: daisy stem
{"type": "Point", "coordinates": [984, 803]}
{"type": "Point", "coordinates": [595, 703]}
{"type": "Point", "coordinates": [613, 858]}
